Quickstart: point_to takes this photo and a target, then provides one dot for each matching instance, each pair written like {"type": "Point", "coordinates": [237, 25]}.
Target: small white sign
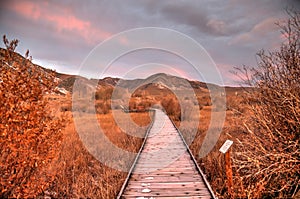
{"type": "Point", "coordinates": [224, 148]}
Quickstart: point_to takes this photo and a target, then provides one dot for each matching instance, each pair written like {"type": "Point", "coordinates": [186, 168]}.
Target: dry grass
{"type": "Point", "coordinates": [213, 164]}
{"type": "Point", "coordinates": [80, 173]}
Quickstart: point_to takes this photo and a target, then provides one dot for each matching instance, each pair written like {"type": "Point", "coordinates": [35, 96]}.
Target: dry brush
{"type": "Point", "coordinates": [30, 134]}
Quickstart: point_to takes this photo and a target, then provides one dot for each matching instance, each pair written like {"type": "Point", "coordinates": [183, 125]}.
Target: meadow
{"type": "Point", "coordinates": [80, 174]}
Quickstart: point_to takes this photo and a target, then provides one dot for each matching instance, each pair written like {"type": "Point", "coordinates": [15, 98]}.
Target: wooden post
{"type": "Point", "coordinates": [225, 148]}
{"type": "Point", "coordinates": [229, 173]}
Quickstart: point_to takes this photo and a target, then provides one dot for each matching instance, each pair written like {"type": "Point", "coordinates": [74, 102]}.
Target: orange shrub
{"type": "Point", "coordinates": [29, 134]}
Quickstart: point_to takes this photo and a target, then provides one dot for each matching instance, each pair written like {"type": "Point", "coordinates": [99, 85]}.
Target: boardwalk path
{"type": "Point", "coordinates": [165, 167]}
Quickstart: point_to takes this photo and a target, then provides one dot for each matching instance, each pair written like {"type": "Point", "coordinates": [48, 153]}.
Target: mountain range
{"type": "Point", "coordinates": [159, 80]}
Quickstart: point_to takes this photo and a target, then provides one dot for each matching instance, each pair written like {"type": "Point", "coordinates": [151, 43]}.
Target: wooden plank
{"type": "Point", "coordinates": [167, 185]}
{"type": "Point", "coordinates": [149, 179]}
{"type": "Point", "coordinates": [166, 193]}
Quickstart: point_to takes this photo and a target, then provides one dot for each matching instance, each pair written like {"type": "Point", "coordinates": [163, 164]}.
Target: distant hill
{"type": "Point", "coordinates": [158, 80]}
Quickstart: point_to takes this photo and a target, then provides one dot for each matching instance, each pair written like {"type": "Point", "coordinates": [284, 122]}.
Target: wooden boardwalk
{"type": "Point", "coordinates": [165, 167]}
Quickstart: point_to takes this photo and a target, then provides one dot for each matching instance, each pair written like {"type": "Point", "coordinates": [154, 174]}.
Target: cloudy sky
{"type": "Point", "coordinates": [62, 35]}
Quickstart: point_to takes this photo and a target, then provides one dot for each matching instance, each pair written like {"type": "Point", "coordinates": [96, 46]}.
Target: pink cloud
{"type": "Point", "coordinates": [26, 9]}
{"type": "Point", "coordinates": [123, 41]}
{"type": "Point", "coordinates": [62, 19]}
{"type": "Point", "coordinates": [260, 30]}
{"type": "Point", "coordinates": [68, 22]}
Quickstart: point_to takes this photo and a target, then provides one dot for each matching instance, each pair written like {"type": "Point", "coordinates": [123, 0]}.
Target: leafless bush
{"type": "Point", "coordinates": [10, 46]}
{"type": "Point", "coordinates": [267, 159]}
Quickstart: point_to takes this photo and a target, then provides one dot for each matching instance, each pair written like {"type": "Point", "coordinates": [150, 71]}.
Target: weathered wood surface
{"type": "Point", "coordinates": [165, 167]}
